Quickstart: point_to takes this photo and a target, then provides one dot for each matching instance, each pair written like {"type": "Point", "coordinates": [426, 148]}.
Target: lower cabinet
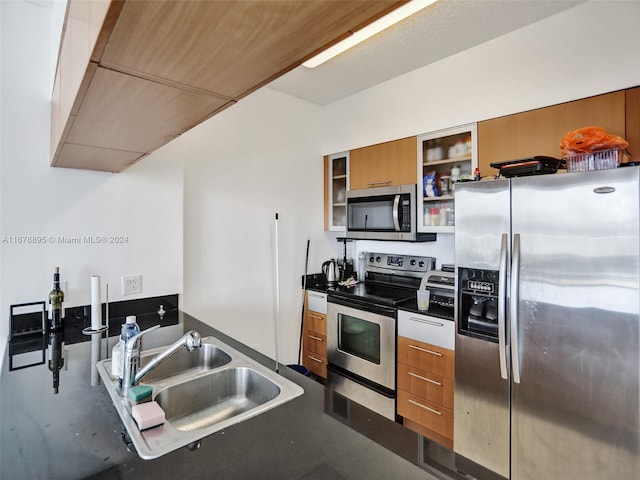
{"type": "Point", "coordinates": [426, 378]}
{"type": "Point", "coordinates": [314, 334]}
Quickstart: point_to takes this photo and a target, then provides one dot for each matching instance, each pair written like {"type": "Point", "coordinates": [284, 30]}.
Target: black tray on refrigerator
{"type": "Point", "coordinates": [538, 165]}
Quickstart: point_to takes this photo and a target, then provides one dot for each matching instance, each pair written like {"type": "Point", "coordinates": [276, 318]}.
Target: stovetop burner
{"type": "Point", "coordinates": [374, 293]}
{"type": "Point", "coordinates": [389, 279]}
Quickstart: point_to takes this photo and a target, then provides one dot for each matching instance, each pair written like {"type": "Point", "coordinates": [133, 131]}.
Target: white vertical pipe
{"type": "Point", "coordinates": [277, 273]}
{"type": "Point", "coordinates": [96, 307]}
{"type": "Point", "coordinates": [96, 323]}
{"type": "Point", "coordinates": [106, 320]}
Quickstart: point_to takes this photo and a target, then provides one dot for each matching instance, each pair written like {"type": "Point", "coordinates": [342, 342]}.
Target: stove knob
{"type": "Point", "coordinates": [421, 264]}
{"type": "Point", "coordinates": [371, 259]}
{"type": "Point", "coordinates": [378, 259]}
{"type": "Point", "coordinates": [412, 262]}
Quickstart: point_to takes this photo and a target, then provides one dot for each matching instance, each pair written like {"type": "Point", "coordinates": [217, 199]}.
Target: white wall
{"type": "Point", "coordinates": [584, 51]}
{"type": "Point", "coordinates": [257, 158]}
{"type": "Point", "coordinates": [143, 204]}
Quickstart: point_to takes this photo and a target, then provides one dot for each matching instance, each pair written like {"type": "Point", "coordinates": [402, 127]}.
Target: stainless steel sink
{"type": "Point", "coordinates": [201, 392]}
{"type": "Point", "coordinates": [205, 358]}
{"type": "Point", "coordinates": [213, 398]}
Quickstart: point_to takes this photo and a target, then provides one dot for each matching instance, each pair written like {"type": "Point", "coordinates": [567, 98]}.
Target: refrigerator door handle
{"type": "Point", "coordinates": [513, 307]}
{"type": "Point", "coordinates": [502, 306]}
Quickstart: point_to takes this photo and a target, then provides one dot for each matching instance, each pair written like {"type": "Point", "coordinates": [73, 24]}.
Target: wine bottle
{"type": "Point", "coordinates": [56, 304]}
{"type": "Point", "coordinates": [56, 357]}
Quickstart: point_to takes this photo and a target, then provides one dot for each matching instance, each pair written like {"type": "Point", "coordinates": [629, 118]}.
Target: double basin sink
{"type": "Point", "coordinates": [201, 392]}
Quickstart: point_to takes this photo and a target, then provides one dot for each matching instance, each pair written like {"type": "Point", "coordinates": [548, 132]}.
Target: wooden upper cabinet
{"type": "Point", "coordinates": [538, 132]}
{"type": "Point", "coordinates": [133, 75]}
{"type": "Point", "coordinates": [384, 164]}
{"type": "Point", "coordinates": [632, 114]}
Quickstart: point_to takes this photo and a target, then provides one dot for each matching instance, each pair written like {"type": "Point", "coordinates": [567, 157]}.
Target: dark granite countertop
{"type": "Point", "coordinates": [76, 433]}
{"type": "Point", "coordinates": [434, 310]}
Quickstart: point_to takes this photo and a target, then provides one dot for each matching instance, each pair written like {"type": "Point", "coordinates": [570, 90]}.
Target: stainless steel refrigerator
{"type": "Point", "coordinates": [547, 327]}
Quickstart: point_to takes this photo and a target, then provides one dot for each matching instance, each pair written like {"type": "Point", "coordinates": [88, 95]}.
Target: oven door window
{"type": "Point", "coordinates": [359, 338]}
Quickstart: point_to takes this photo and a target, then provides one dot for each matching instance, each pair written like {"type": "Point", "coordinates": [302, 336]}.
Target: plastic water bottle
{"type": "Point", "coordinates": [128, 330]}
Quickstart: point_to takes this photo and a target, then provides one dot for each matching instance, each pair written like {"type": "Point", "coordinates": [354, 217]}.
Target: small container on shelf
{"type": "Point", "coordinates": [445, 185]}
{"type": "Point", "coordinates": [455, 173]}
{"type": "Point", "coordinates": [434, 216]}
{"type": "Point", "coordinates": [599, 160]}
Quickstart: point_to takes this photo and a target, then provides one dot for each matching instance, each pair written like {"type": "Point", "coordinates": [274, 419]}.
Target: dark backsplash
{"type": "Point", "coordinates": [25, 326]}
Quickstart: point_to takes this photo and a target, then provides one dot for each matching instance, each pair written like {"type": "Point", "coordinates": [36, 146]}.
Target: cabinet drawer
{"type": "Point", "coordinates": [433, 388]}
{"type": "Point", "coordinates": [316, 322]}
{"type": "Point", "coordinates": [427, 329]}
{"type": "Point", "coordinates": [316, 343]}
{"type": "Point", "coordinates": [429, 415]}
{"type": "Point", "coordinates": [317, 364]}
{"type": "Point", "coordinates": [316, 302]}
{"type": "Point", "coordinates": [426, 357]}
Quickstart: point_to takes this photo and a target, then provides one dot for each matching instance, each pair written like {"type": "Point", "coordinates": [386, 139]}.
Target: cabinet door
{"type": "Point", "coordinates": [431, 387]}
{"type": "Point", "coordinates": [430, 416]}
{"type": "Point", "coordinates": [632, 111]}
{"type": "Point", "coordinates": [538, 132]}
{"type": "Point", "coordinates": [383, 165]}
{"type": "Point", "coordinates": [443, 158]}
{"type": "Point", "coordinates": [314, 334]}
{"type": "Point", "coordinates": [336, 184]}
{"type": "Point", "coordinates": [424, 356]}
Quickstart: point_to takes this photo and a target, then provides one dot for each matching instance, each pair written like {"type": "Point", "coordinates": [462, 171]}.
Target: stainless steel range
{"type": "Point", "coordinates": [361, 329]}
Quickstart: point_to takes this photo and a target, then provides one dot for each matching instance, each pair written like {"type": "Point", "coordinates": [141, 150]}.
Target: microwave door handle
{"type": "Point", "coordinates": [396, 213]}
{"type": "Point", "coordinates": [502, 306]}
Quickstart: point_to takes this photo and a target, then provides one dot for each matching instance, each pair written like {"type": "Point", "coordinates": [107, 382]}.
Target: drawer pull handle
{"type": "Point", "coordinates": [318, 295]}
{"type": "Point", "coordinates": [316, 317]}
{"type": "Point", "coordinates": [420, 377]}
{"type": "Point", "coordinates": [314, 359]}
{"type": "Point", "coordinates": [382, 182]}
{"type": "Point", "coordinates": [437, 354]}
{"type": "Point", "coordinates": [417, 404]}
{"type": "Point", "coordinates": [429, 322]}
{"type": "Point", "coordinates": [312, 337]}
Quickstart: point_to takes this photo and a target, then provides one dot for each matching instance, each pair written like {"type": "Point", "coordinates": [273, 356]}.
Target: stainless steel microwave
{"type": "Point", "coordinates": [384, 213]}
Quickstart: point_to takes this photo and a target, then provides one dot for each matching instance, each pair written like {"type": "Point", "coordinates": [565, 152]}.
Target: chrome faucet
{"type": "Point", "coordinates": [131, 356]}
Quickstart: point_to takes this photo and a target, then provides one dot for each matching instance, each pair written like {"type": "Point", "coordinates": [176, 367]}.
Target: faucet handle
{"type": "Point", "coordinates": [192, 340]}
{"type": "Point", "coordinates": [133, 340]}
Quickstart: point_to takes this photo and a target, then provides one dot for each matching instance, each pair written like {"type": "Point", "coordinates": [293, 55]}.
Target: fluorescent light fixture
{"type": "Point", "coordinates": [370, 30]}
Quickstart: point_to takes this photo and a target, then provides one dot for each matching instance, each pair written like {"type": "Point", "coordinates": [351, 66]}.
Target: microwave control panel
{"type": "Point", "coordinates": [405, 215]}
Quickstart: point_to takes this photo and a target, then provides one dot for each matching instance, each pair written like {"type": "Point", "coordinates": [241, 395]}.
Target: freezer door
{"type": "Point", "coordinates": [481, 398]}
{"type": "Point", "coordinates": [575, 408]}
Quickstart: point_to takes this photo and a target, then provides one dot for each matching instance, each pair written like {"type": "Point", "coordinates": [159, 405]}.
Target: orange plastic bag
{"type": "Point", "coordinates": [590, 139]}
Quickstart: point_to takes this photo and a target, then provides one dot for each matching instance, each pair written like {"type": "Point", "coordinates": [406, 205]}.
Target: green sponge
{"type": "Point", "coordinates": [140, 393]}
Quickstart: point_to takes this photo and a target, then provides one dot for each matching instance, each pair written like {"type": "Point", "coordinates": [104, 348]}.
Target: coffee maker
{"type": "Point", "coordinates": [346, 264]}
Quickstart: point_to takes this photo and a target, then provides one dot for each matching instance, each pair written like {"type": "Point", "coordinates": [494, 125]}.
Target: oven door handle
{"type": "Point", "coordinates": [365, 306]}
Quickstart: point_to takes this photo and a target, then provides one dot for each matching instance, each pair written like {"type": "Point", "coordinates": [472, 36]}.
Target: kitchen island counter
{"type": "Point", "coordinates": [76, 433]}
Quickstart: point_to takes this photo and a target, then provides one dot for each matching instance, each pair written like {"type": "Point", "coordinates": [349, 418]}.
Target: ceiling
{"type": "Point", "coordinates": [441, 30]}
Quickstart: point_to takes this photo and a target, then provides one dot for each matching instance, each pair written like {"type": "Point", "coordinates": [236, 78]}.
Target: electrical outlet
{"type": "Point", "coordinates": [131, 284]}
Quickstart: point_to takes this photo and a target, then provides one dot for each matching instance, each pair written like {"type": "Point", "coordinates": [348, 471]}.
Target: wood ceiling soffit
{"type": "Point", "coordinates": [230, 47]}
{"type": "Point", "coordinates": [97, 158]}
{"type": "Point", "coordinates": [155, 113]}
{"type": "Point", "coordinates": [174, 84]}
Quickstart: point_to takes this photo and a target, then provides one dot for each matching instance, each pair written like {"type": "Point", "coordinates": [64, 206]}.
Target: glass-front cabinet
{"type": "Point", "coordinates": [444, 158]}
{"type": "Point", "coordinates": [337, 186]}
